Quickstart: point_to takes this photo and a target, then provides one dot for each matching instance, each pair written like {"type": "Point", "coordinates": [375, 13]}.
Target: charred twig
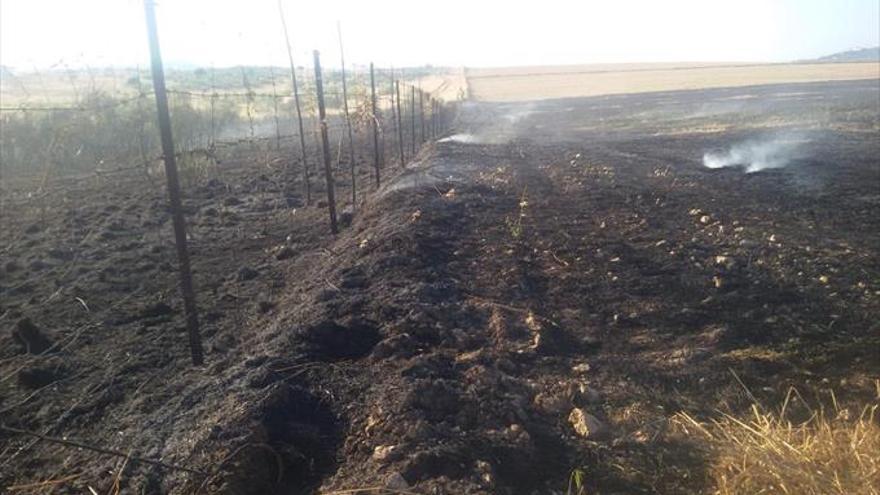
{"type": "Point", "coordinates": [101, 450]}
{"type": "Point", "coordinates": [371, 489]}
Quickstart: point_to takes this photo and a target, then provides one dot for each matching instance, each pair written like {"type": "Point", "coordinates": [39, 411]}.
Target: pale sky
{"type": "Point", "coordinates": [40, 33]}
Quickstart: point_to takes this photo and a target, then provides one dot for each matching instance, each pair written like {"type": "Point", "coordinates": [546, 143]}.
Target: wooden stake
{"type": "Point", "coordinates": [325, 143]}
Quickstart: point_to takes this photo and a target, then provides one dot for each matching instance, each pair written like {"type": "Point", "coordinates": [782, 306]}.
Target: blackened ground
{"type": "Point", "coordinates": [556, 259]}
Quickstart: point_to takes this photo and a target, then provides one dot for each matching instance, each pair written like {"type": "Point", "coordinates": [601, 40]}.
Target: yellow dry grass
{"type": "Point", "coordinates": [448, 86]}
{"type": "Point", "coordinates": [535, 83]}
{"type": "Point", "coordinates": [765, 453]}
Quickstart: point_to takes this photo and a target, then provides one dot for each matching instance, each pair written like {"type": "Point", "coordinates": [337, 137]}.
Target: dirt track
{"type": "Point", "coordinates": [569, 253]}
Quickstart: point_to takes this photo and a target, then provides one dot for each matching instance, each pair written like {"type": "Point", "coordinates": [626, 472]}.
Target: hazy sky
{"type": "Point", "coordinates": [40, 33]}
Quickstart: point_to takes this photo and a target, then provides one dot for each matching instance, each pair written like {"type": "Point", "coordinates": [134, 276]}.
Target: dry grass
{"type": "Point", "coordinates": [535, 83]}
{"type": "Point", "coordinates": [449, 86]}
{"type": "Point", "coordinates": [767, 453]}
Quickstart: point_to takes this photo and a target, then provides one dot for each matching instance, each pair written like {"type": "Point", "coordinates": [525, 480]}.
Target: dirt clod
{"type": "Point", "coordinates": [156, 310]}
{"type": "Point", "coordinates": [40, 375]}
{"type": "Point", "coordinates": [246, 273]}
{"type": "Point", "coordinates": [30, 337]}
{"type": "Point", "coordinates": [285, 252]}
{"type": "Point", "coordinates": [331, 340]}
{"type": "Point", "coordinates": [396, 481]}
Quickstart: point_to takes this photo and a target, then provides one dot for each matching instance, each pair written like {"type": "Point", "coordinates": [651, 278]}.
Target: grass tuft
{"type": "Point", "coordinates": [767, 453]}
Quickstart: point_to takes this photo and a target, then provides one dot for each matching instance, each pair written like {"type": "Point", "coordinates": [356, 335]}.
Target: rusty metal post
{"type": "Point", "coordinates": [325, 142]}
{"type": "Point", "coordinates": [399, 127]}
{"type": "Point", "coordinates": [375, 122]}
{"type": "Point", "coordinates": [186, 283]}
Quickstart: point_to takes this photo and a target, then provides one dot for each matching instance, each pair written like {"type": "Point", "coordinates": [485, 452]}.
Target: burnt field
{"type": "Point", "coordinates": [538, 295]}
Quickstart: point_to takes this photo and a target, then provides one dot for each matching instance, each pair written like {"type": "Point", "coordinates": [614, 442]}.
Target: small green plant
{"type": "Point", "coordinates": [515, 225]}
{"type": "Point", "coordinates": [576, 482]}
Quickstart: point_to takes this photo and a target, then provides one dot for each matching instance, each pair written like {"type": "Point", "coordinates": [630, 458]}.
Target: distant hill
{"type": "Point", "coordinates": [859, 55]}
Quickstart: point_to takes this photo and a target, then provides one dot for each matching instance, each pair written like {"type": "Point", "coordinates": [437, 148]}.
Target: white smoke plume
{"type": "Point", "coordinates": [759, 154]}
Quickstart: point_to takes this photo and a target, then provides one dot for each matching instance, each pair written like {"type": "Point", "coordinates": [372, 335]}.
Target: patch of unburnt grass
{"type": "Point", "coordinates": [766, 451]}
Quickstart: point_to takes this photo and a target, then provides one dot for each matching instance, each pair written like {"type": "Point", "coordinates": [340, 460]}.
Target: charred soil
{"type": "Point", "coordinates": [500, 313]}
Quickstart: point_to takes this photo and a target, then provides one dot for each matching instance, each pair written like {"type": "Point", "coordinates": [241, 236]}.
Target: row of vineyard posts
{"type": "Point", "coordinates": [436, 124]}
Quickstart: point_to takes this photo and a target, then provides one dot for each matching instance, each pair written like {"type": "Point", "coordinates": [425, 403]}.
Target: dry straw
{"type": "Point", "coordinates": [767, 453]}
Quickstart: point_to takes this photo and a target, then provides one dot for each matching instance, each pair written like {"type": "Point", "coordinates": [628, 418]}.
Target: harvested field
{"type": "Point", "coordinates": [532, 83]}
{"type": "Point", "coordinates": [540, 294]}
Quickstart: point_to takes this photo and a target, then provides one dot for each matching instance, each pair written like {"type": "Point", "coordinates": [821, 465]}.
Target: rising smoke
{"type": "Point", "coordinates": [759, 154]}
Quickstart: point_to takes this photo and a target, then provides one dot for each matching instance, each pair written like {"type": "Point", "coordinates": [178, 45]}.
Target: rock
{"type": "Point", "coordinates": [264, 306]}
{"type": "Point", "coordinates": [385, 453]}
{"type": "Point", "coordinates": [11, 266]}
{"type": "Point", "coordinates": [30, 337]}
{"type": "Point", "coordinates": [284, 253]}
{"type": "Point", "coordinates": [587, 425]}
{"type": "Point", "coordinates": [551, 403]}
{"type": "Point", "coordinates": [581, 369]}
{"type": "Point", "coordinates": [396, 481]}
{"type": "Point", "coordinates": [231, 201]}
{"type": "Point", "coordinates": [246, 273]}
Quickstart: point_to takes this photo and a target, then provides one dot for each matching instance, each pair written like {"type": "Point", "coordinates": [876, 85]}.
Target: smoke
{"type": "Point", "coordinates": [461, 138]}
{"type": "Point", "coordinates": [759, 154]}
